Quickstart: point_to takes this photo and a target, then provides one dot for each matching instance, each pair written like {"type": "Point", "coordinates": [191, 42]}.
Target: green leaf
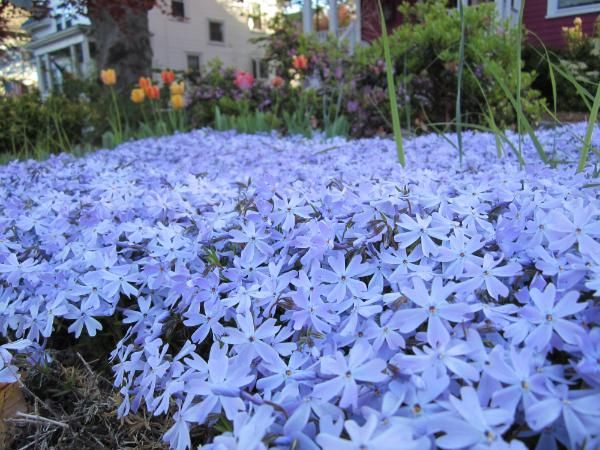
{"type": "Point", "coordinates": [389, 70]}
{"type": "Point", "coordinates": [587, 142]}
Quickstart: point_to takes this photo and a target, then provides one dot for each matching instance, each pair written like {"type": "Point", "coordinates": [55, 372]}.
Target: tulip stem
{"type": "Point", "coordinates": [117, 128]}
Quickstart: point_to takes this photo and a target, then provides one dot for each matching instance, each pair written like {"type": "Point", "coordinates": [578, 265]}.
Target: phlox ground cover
{"type": "Point", "coordinates": [312, 294]}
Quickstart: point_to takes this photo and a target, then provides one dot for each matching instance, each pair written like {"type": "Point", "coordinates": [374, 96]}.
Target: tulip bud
{"type": "Point", "coordinates": [137, 95]}
{"type": "Point", "coordinates": [153, 92]}
{"type": "Point", "coordinates": [108, 77]}
{"type": "Point", "coordinates": [168, 76]}
{"type": "Point", "coordinates": [177, 101]}
{"type": "Point", "coordinates": [177, 88]}
{"type": "Point", "coordinates": [144, 83]}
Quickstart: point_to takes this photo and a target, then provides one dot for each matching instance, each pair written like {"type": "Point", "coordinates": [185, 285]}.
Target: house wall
{"type": "Point", "coordinates": [550, 30]}
{"type": "Point", "coordinates": [173, 39]}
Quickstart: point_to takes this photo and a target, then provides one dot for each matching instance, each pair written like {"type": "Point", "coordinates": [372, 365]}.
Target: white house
{"type": "Point", "coordinates": [195, 32]}
{"type": "Point", "coordinates": [200, 30]}
{"type": "Point", "coordinates": [59, 43]}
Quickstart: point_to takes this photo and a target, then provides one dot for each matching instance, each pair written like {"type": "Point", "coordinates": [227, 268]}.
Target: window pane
{"type": "Point", "coordinates": [215, 31]}
{"type": "Point", "coordinates": [571, 3]}
{"type": "Point", "coordinates": [177, 8]}
{"type": "Point", "coordinates": [193, 62]}
{"type": "Point", "coordinates": [264, 69]}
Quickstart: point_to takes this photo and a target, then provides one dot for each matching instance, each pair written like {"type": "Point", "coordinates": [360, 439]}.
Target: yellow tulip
{"type": "Point", "coordinates": [177, 88]}
{"type": "Point", "coordinates": [177, 101]}
{"type": "Point", "coordinates": [109, 77]}
{"type": "Point", "coordinates": [577, 22]}
{"type": "Point", "coordinates": [137, 95]}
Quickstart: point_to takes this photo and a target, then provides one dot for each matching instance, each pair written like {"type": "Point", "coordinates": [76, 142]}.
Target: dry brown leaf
{"type": "Point", "coordinates": [12, 401]}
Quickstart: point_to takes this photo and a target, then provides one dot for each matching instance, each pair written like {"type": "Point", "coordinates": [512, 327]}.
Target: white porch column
{"type": "Point", "coordinates": [86, 64]}
{"type": "Point", "coordinates": [307, 17]}
{"type": "Point", "coordinates": [49, 81]}
{"type": "Point", "coordinates": [40, 73]}
{"type": "Point", "coordinates": [75, 69]}
{"type": "Point", "coordinates": [333, 17]}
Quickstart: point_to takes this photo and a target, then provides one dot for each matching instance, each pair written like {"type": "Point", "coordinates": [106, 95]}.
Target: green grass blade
{"type": "Point", "coordinates": [587, 143]}
{"type": "Point", "coordinates": [518, 66]}
{"type": "Point", "coordinates": [519, 111]}
{"type": "Point", "coordinates": [585, 95]}
{"type": "Point", "coordinates": [461, 66]}
{"type": "Point", "coordinates": [389, 70]}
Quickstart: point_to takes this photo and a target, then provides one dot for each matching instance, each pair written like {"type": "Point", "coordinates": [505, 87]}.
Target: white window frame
{"type": "Point", "coordinates": [554, 11]}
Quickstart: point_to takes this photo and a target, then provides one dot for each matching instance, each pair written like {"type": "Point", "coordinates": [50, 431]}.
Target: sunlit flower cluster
{"type": "Point", "coordinates": [308, 294]}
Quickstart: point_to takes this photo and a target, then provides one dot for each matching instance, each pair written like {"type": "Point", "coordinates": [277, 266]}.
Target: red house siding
{"type": "Point", "coordinates": [550, 30]}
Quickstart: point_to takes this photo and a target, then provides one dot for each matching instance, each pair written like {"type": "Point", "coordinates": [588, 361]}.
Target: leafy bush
{"type": "Point", "coordinates": [425, 49]}
{"type": "Point", "coordinates": [579, 58]}
{"type": "Point", "coordinates": [33, 126]}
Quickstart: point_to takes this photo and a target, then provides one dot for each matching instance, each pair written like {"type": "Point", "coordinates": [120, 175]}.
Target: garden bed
{"type": "Point", "coordinates": [262, 292]}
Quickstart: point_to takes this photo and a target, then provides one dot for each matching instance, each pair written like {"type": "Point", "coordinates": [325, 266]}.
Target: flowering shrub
{"type": "Point", "coordinates": [305, 294]}
{"type": "Point", "coordinates": [580, 58]}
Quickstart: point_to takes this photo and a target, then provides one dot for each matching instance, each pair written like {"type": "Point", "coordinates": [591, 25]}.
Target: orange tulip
{"type": "Point", "coordinates": [144, 83]}
{"type": "Point", "coordinates": [168, 76]}
{"type": "Point", "coordinates": [152, 92]}
{"type": "Point", "coordinates": [137, 95]}
{"type": "Point", "coordinates": [177, 88]}
{"type": "Point", "coordinates": [108, 77]}
{"type": "Point", "coordinates": [300, 62]}
{"type": "Point", "coordinates": [177, 101]}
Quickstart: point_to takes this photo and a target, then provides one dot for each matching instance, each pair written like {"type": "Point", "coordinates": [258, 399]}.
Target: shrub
{"type": "Point", "coordinates": [34, 126]}
{"type": "Point", "coordinates": [425, 49]}
{"type": "Point", "coordinates": [580, 57]}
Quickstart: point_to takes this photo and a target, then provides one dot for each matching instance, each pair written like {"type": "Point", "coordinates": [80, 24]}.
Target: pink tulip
{"type": "Point", "coordinates": [243, 80]}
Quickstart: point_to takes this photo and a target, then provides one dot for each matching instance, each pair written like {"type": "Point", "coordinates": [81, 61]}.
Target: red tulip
{"type": "Point", "coordinates": [300, 62]}
{"type": "Point", "coordinates": [168, 76]}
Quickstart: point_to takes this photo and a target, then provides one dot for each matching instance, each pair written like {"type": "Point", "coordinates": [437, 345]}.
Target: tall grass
{"type": "Point", "coordinates": [389, 70]}
{"type": "Point", "coordinates": [459, 84]}
{"type": "Point", "coordinates": [587, 142]}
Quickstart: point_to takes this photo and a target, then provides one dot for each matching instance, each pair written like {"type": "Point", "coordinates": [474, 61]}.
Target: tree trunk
{"type": "Point", "coordinates": [122, 43]}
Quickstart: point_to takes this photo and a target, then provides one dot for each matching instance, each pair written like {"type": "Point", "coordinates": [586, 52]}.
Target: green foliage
{"type": "Point", "coordinates": [35, 127]}
{"type": "Point", "coordinates": [564, 72]}
{"type": "Point", "coordinates": [427, 48]}
{"type": "Point", "coordinates": [252, 123]}
{"type": "Point", "coordinates": [389, 72]}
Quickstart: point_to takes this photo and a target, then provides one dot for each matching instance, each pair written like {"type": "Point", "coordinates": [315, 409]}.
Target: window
{"type": "Point", "coordinates": [59, 22]}
{"type": "Point", "coordinates": [178, 9]}
{"type": "Point", "coordinates": [254, 18]}
{"type": "Point", "coordinates": [193, 63]}
{"type": "Point", "coordinates": [260, 68]}
{"type": "Point", "coordinates": [215, 31]}
{"type": "Point", "coordinates": [561, 8]}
